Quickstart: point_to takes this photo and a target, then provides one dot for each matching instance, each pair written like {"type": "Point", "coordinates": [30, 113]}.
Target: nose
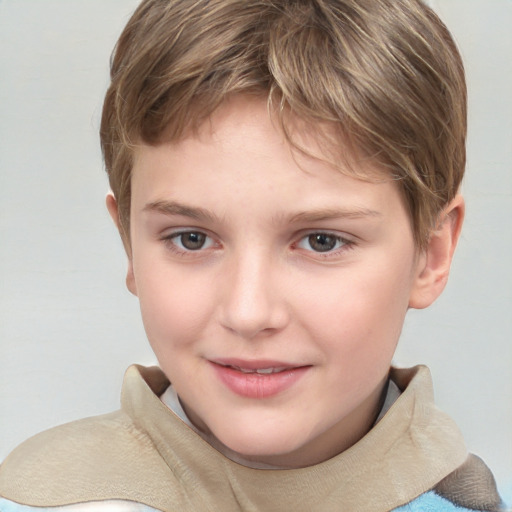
{"type": "Point", "coordinates": [253, 302]}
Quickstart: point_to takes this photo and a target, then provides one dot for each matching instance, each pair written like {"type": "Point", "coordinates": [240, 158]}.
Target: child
{"type": "Point", "coordinates": [284, 179]}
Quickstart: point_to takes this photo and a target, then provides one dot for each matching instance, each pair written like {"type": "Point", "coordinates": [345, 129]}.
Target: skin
{"type": "Point", "coordinates": [241, 248]}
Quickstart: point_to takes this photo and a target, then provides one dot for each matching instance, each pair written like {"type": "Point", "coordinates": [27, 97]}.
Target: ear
{"type": "Point", "coordinates": [433, 266]}
{"type": "Point", "coordinates": [114, 214]}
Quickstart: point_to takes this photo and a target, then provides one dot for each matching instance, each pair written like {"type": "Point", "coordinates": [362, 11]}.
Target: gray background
{"type": "Point", "coordinates": [68, 327]}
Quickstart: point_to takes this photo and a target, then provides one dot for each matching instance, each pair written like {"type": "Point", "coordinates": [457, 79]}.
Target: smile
{"type": "Point", "coordinates": [257, 380]}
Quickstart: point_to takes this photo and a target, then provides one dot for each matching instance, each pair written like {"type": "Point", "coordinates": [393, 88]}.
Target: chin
{"type": "Point", "coordinates": [261, 447]}
{"type": "Point", "coordinates": [261, 443]}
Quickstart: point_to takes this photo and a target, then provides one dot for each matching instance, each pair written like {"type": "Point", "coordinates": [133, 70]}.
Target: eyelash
{"type": "Point", "coordinates": [342, 244]}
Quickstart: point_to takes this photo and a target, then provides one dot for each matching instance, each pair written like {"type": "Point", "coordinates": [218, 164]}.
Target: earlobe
{"type": "Point", "coordinates": [433, 265]}
{"type": "Point", "coordinates": [114, 214]}
{"type": "Point", "coordinates": [111, 203]}
{"type": "Point", "coordinates": [130, 278]}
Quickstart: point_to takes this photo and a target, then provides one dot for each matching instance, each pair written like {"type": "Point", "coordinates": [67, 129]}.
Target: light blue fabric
{"type": "Point", "coordinates": [431, 502]}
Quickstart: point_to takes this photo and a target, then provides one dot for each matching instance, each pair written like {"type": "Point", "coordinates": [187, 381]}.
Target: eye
{"type": "Point", "coordinates": [322, 242]}
{"type": "Point", "coordinates": [190, 241]}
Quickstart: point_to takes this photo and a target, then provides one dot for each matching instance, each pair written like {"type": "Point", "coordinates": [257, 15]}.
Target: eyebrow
{"type": "Point", "coordinates": [201, 214]}
{"type": "Point", "coordinates": [333, 214]}
{"type": "Point", "coordinates": [175, 208]}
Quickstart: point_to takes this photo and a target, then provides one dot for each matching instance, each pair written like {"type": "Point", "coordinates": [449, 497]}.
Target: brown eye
{"type": "Point", "coordinates": [191, 240]}
{"type": "Point", "coordinates": [323, 242]}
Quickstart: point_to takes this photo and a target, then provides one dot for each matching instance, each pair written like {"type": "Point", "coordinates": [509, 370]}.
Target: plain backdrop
{"type": "Point", "coordinates": [69, 328]}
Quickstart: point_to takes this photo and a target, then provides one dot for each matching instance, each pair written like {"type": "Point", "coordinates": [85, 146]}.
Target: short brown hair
{"type": "Point", "coordinates": [385, 73]}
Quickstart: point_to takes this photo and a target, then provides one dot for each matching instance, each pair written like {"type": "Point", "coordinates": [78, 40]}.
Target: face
{"type": "Point", "coordinates": [273, 288]}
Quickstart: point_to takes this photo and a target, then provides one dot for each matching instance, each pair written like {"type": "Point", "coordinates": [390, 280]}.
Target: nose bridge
{"type": "Point", "coordinates": [252, 301]}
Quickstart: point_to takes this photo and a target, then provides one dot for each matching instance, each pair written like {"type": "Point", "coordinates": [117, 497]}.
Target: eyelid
{"type": "Point", "coordinates": [171, 232]}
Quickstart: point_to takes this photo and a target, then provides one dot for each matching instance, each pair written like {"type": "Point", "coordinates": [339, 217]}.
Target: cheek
{"type": "Point", "coordinates": [358, 313]}
{"type": "Point", "coordinates": [174, 305]}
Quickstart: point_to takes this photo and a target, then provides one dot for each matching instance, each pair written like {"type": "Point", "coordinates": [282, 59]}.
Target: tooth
{"type": "Point", "coordinates": [261, 371]}
{"type": "Point", "coordinates": [265, 370]}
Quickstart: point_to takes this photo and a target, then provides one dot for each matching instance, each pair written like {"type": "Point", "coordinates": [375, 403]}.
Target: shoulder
{"type": "Point", "coordinates": [91, 459]}
{"type": "Point", "coordinates": [76, 444]}
{"type": "Point", "coordinates": [469, 488]}
{"type": "Point", "coordinates": [472, 485]}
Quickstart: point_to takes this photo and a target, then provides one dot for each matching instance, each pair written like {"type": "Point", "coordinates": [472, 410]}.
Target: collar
{"type": "Point", "coordinates": [409, 451]}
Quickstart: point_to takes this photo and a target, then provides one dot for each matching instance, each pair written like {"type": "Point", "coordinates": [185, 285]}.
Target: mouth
{"type": "Point", "coordinates": [258, 379]}
{"type": "Point", "coordinates": [260, 371]}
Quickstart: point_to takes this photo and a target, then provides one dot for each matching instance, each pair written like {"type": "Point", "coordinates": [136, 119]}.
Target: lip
{"type": "Point", "coordinates": [241, 378]}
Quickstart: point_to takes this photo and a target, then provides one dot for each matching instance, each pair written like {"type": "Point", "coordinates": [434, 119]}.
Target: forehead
{"type": "Point", "coordinates": [239, 165]}
{"type": "Point", "coordinates": [243, 118]}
